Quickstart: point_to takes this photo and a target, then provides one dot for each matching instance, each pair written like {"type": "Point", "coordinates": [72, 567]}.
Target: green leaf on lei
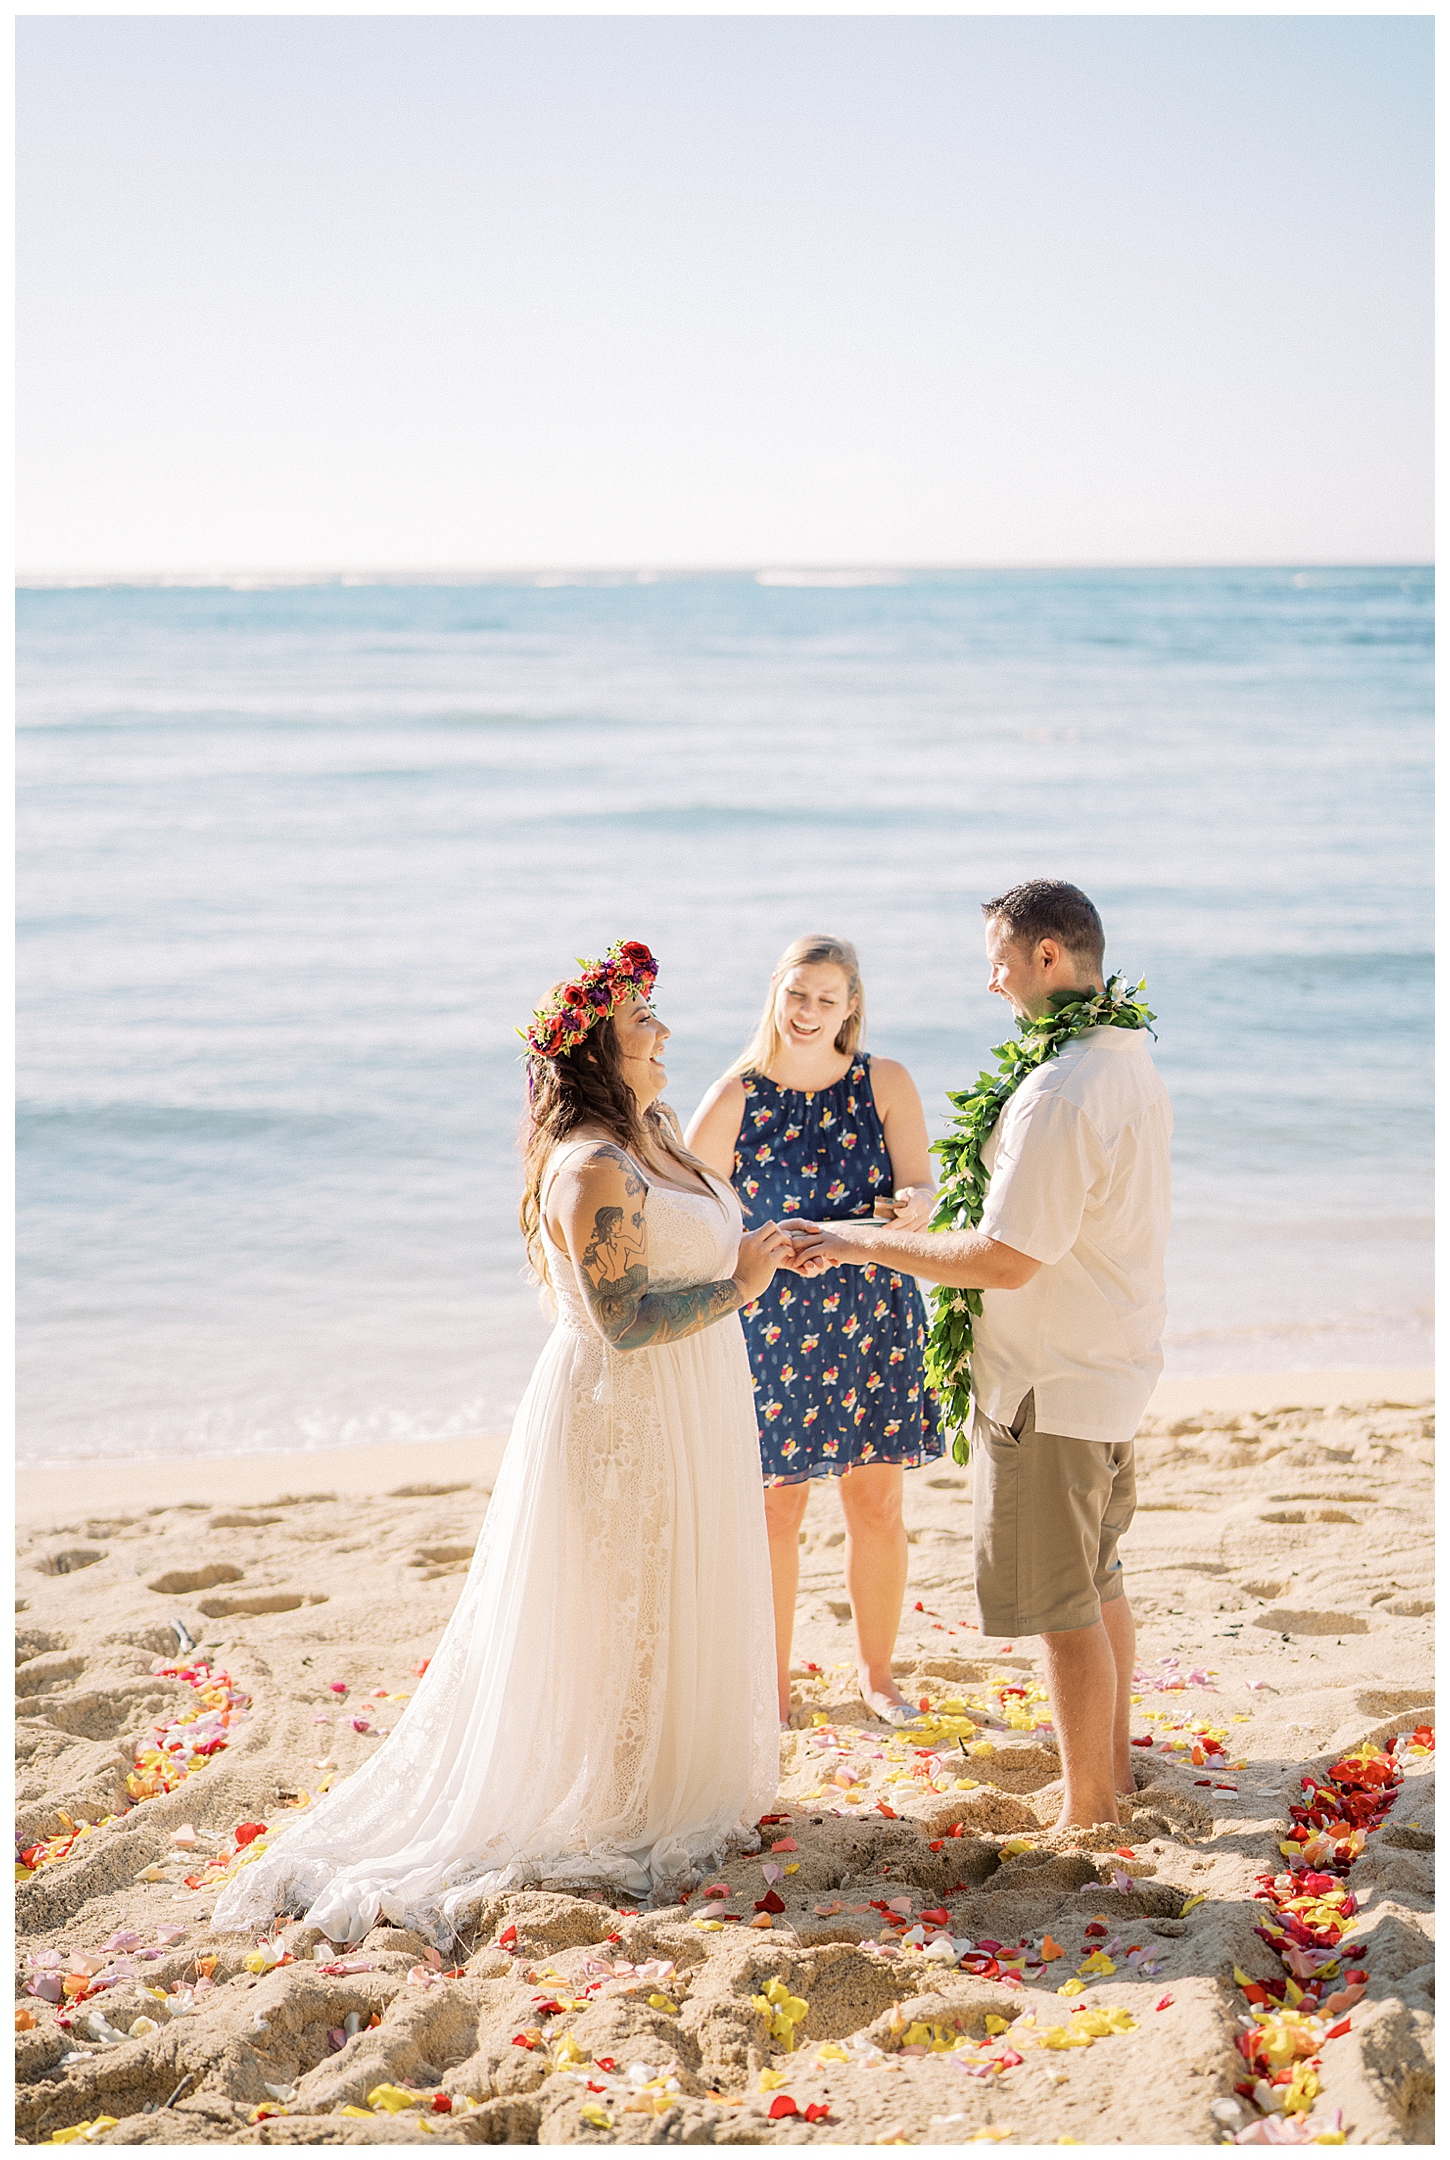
{"type": "Point", "coordinates": [963, 1194]}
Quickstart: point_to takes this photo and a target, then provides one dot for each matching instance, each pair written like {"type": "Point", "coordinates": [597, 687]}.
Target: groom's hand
{"type": "Point", "coordinates": [822, 1245]}
{"type": "Point", "coordinates": [796, 1258]}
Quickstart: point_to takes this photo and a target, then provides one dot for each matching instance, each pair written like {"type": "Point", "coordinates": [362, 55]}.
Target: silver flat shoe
{"type": "Point", "coordinates": [894, 1714]}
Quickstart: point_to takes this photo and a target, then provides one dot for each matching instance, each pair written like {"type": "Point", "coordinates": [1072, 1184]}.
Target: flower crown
{"type": "Point", "coordinates": [572, 1010]}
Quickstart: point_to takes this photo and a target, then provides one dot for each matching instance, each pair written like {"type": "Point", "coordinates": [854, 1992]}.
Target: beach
{"type": "Point", "coordinates": [913, 1956]}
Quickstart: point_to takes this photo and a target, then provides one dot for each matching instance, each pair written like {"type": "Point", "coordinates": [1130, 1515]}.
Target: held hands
{"type": "Point", "coordinates": [809, 1248]}
{"type": "Point", "coordinates": [850, 1243]}
{"type": "Point", "coordinates": [818, 1246]}
{"type": "Point", "coordinates": [759, 1256]}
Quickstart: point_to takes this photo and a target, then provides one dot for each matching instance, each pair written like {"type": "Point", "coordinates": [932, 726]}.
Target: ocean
{"type": "Point", "coordinates": [296, 858]}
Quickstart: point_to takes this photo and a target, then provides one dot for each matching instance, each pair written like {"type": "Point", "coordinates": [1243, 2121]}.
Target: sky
{"type": "Point", "coordinates": [361, 293]}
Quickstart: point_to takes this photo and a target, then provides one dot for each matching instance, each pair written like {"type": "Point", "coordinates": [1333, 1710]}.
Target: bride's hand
{"type": "Point", "coordinates": [760, 1255]}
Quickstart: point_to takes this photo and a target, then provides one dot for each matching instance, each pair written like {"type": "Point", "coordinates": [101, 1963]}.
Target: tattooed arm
{"type": "Point", "coordinates": [602, 1211]}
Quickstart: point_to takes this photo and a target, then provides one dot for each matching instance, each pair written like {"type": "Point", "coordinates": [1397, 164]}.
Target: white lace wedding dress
{"type": "Point", "coordinates": [601, 1710]}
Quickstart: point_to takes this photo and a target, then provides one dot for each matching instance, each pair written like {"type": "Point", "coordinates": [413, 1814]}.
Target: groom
{"type": "Point", "coordinates": [1069, 1260]}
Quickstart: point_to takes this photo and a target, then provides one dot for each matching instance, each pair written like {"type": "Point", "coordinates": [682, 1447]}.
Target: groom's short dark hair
{"type": "Point", "coordinates": [1048, 908]}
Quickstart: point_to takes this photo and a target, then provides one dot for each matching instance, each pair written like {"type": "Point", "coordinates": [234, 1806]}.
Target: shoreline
{"type": "Point", "coordinates": [45, 1494]}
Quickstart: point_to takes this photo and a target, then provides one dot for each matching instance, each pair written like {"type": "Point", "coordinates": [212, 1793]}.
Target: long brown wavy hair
{"type": "Point", "coordinates": [585, 1086]}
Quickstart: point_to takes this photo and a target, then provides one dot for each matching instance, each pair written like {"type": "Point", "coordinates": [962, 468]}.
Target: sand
{"type": "Point", "coordinates": [1280, 1566]}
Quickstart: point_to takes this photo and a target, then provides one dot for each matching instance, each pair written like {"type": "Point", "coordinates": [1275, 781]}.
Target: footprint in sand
{"type": "Point", "coordinates": [179, 1582]}
{"type": "Point", "coordinates": [1281, 1621]}
{"type": "Point", "coordinates": [68, 1563]}
{"type": "Point", "coordinates": [1308, 1515]}
{"type": "Point", "coordinates": [258, 1603]}
{"type": "Point", "coordinates": [436, 1560]}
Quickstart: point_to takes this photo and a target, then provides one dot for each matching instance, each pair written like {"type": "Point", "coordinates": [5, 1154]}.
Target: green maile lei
{"type": "Point", "coordinates": [963, 1193]}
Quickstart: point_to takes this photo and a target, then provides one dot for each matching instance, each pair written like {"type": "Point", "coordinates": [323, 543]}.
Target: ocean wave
{"type": "Point", "coordinates": [228, 1432]}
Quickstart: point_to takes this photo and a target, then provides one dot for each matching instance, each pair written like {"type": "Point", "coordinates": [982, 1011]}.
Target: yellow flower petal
{"type": "Point", "coordinates": [392, 2099]}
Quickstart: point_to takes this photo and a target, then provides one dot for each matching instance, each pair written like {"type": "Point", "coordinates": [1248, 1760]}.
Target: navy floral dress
{"type": "Point", "coordinates": [836, 1360]}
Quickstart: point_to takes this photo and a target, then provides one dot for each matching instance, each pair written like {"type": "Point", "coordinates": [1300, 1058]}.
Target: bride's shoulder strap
{"type": "Point", "coordinates": [588, 1148]}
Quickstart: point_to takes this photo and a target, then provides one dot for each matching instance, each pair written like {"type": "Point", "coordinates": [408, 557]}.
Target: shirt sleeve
{"type": "Point", "coordinates": [1048, 1160]}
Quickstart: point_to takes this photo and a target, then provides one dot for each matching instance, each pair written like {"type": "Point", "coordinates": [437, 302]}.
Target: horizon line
{"type": "Point", "coordinates": [768, 569]}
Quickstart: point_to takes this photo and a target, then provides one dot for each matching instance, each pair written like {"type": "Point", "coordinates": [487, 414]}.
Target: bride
{"type": "Point", "coordinates": [601, 1709]}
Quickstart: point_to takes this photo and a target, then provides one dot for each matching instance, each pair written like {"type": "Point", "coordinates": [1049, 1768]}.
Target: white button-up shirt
{"type": "Point", "coordinates": [1079, 1180]}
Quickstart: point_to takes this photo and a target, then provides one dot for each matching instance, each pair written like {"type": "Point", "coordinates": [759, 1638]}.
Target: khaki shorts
{"type": "Point", "coordinates": [1049, 1512]}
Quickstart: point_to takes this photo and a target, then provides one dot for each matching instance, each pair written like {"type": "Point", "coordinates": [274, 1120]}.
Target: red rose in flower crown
{"type": "Point", "coordinates": [572, 1009]}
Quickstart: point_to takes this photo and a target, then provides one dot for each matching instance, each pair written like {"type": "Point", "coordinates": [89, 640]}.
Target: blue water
{"type": "Point", "coordinates": [295, 860]}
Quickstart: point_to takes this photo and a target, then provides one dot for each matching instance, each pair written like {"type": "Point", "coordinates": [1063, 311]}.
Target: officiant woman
{"type": "Point", "coordinates": [807, 1124]}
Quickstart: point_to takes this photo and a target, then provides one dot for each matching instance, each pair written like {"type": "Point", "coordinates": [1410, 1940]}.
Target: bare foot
{"type": "Point", "coordinates": [887, 1703]}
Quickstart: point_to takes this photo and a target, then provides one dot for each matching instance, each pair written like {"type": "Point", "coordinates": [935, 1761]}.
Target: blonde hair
{"type": "Point", "coordinates": [764, 1045]}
